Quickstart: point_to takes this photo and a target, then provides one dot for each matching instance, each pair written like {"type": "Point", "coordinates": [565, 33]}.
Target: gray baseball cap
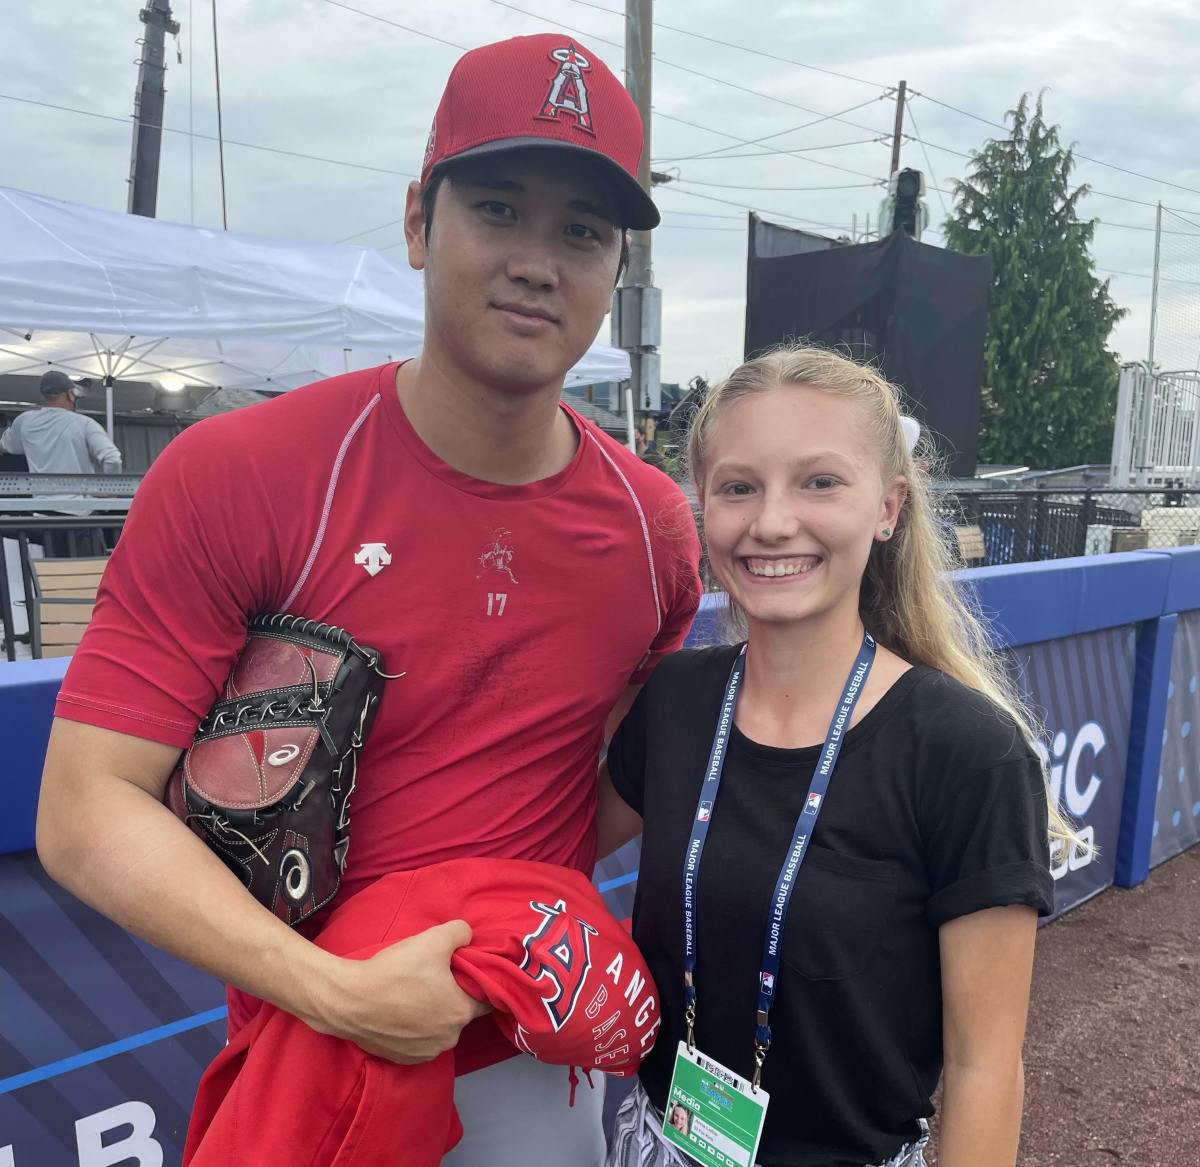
{"type": "Point", "coordinates": [55, 382]}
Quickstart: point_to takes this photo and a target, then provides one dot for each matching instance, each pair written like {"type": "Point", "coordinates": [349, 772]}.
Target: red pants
{"type": "Point", "coordinates": [565, 980]}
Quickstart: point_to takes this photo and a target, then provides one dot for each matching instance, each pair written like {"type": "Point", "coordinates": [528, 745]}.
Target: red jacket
{"type": "Point", "coordinates": [565, 980]}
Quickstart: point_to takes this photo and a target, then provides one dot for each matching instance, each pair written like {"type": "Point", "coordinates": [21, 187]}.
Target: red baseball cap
{"type": "Point", "coordinates": [536, 91]}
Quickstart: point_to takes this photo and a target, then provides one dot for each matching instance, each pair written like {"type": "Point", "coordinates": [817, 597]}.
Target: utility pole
{"type": "Point", "coordinates": [148, 108]}
{"type": "Point", "coordinates": [898, 127]}
{"type": "Point", "coordinates": [639, 38]}
{"type": "Point", "coordinates": [637, 307]}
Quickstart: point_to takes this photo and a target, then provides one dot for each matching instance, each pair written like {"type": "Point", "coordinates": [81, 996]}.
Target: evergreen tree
{"type": "Point", "coordinates": [1050, 384]}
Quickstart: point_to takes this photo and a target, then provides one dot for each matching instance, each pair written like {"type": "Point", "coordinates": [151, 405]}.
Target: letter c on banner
{"type": "Point", "coordinates": [1078, 801]}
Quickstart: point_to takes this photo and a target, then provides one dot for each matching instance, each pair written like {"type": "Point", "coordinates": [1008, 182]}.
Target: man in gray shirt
{"type": "Point", "coordinates": [57, 440]}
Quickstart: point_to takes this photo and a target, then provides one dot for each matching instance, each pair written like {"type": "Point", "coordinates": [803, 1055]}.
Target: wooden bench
{"type": "Point", "coordinates": [970, 545]}
{"type": "Point", "coordinates": [60, 607]}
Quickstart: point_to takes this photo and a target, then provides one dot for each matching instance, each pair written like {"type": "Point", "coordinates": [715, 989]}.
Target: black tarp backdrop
{"type": "Point", "coordinates": [920, 311]}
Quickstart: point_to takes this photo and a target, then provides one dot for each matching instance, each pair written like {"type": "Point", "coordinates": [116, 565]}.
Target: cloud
{"type": "Point", "coordinates": [313, 78]}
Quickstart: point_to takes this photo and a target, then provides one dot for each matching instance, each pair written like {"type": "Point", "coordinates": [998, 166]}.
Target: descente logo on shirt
{"type": "Point", "coordinates": [374, 557]}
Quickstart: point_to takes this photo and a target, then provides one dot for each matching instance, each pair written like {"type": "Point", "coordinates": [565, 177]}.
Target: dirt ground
{"type": "Point", "coordinates": [1112, 1052]}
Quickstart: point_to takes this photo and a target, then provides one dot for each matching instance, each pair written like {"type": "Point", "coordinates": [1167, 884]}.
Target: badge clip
{"type": "Point", "coordinates": [760, 1056]}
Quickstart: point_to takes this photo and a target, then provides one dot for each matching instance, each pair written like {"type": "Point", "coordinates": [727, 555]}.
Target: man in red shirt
{"type": "Point", "coordinates": [524, 571]}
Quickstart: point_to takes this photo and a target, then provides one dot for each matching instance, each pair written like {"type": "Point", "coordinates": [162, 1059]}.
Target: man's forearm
{"type": "Point", "coordinates": [119, 850]}
{"type": "Point", "coordinates": [104, 834]}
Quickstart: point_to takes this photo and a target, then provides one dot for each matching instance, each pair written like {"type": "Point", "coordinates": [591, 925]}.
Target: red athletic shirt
{"type": "Point", "coordinates": [517, 613]}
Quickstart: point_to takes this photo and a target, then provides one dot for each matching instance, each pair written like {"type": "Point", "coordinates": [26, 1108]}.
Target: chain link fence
{"type": "Point", "coordinates": [987, 528]}
{"type": "Point", "coordinates": [1023, 526]}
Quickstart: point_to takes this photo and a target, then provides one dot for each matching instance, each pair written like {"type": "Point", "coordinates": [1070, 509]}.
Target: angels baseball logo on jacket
{"type": "Point", "coordinates": [558, 951]}
{"type": "Point", "coordinates": [565, 981]}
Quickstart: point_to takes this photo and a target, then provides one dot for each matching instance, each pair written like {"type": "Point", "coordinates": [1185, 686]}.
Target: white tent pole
{"type": "Point", "coordinates": [104, 357]}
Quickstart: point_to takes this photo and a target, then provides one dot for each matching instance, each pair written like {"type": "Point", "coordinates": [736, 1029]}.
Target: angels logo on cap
{"type": "Point", "coordinates": [568, 89]}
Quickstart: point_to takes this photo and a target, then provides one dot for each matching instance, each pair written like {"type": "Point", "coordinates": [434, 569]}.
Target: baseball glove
{"type": "Point", "coordinates": [266, 782]}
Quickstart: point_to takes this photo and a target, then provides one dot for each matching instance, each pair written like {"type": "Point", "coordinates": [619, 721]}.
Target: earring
{"type": "Point", "coordinates": [887, 532]}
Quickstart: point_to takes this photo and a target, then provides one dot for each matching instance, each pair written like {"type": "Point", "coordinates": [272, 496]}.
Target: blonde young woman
{"type": "Point", "coordinates": [865, 719]}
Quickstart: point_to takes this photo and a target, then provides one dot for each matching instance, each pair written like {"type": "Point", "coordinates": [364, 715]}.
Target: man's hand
{"type": "Point", "coordinates": [403, 1003]}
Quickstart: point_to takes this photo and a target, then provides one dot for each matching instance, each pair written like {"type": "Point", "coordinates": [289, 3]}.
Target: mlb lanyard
{"type": "Point", "coordinates": [800, 838]}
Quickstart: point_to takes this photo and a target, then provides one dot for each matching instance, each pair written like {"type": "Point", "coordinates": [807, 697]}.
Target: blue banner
{"type": "Point", "coordinates": [103, 1039]}
{"type": "Point", "coordinates": [1177, 804]}
{"type": "Point", "coordinates": [1081, 688]}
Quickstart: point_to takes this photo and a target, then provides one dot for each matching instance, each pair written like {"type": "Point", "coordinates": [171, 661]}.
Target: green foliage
{"type": "Point", "coordinates": [1050, 383]}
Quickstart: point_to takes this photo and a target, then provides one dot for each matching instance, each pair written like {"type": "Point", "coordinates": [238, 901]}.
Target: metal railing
{"type": "Point", "coordinates": [1023, 526]}
{"type": "Point", "coordinates": [1156, 439]}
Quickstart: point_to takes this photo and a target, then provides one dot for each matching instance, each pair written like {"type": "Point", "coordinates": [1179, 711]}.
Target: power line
{"type": "Point", "coordinates": [742, 48]}
{"type": "Point", "coordinates": [758, 210]}
{"type": "Point", "coordinates": [928, 161]}
{"type": "Point", "coordinates": [1136, 227]}
{"type": "Point", "coordinates": [1137, 275]}
{"type": "Point", "coordinates": [743, 142]}
{"type": "Point", "coordinates": [1147, 177]}
{"type": "Point", "coordinates": [1140, 202]}
{"type": "Point", "coordinates": [766, 153]}
{"type": "Point", "coordinates": [1105, 222]}
{"type": "Point", "coordinates": [790, 130]}
{"type": "Point", "coordinates": [714, 156]}
{"type": "Point", "coordinates": [965, 113]}
{"type": "Point", "coordinates": [1074, 153]}
{"type": "Point", "coordinates": [372, 230]}
{"type": "Point", "coordinates": [696, 72]}
{"type": "Point", "coordinates": [500, 3]}
{"type": "Point", "coordinates": [108, 117]}
{"type": "Point", "coordinates": [1104, 194]}
{"type": "Point", "coordinates": [396, 24]}
{"type": "Point", "coordinates": [1180, 215]}
{"type": "Point", "coordinates": [592, 36]}
{"type": "Point", "coordinates": [743, 186]}
{"type": "Point", "coordinates": [692, 227]}
{"type": "Point", "coordinates": [394, 222]}
{"type": "Point", "coordinates": [947, 149]}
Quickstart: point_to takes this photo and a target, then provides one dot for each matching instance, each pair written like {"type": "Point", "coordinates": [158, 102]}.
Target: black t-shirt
{"type": "Point", "coordinates": [936, 808]}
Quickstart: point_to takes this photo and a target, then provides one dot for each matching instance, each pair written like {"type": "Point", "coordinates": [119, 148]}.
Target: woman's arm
{"type": "Point", "coordinates": [987, 966]}
{"type": "Point", "coordinates": [616, 821]}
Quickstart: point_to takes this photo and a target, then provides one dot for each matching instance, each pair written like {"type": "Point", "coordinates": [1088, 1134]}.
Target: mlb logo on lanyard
{"type": "Point", "coordinates": [813, 804]}
{"type": "Point", "coordinates": [768, 982]}
{"type": "Point", "coordinates": [704, 812]}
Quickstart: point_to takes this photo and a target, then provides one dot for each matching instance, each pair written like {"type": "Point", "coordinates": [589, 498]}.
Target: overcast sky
{"type": "Point", "coordinates": [345, 84]}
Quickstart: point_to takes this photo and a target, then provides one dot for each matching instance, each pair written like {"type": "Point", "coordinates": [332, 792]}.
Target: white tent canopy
{"type": "Point", "coordinates": [104, 294]}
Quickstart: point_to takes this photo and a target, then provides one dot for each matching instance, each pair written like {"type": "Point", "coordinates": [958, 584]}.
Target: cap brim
{"type": "Point", "coordinates": [638, 211]}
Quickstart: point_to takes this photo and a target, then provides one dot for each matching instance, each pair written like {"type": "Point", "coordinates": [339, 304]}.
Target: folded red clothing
{"type": "Point", "coordinates": [566, 982]}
